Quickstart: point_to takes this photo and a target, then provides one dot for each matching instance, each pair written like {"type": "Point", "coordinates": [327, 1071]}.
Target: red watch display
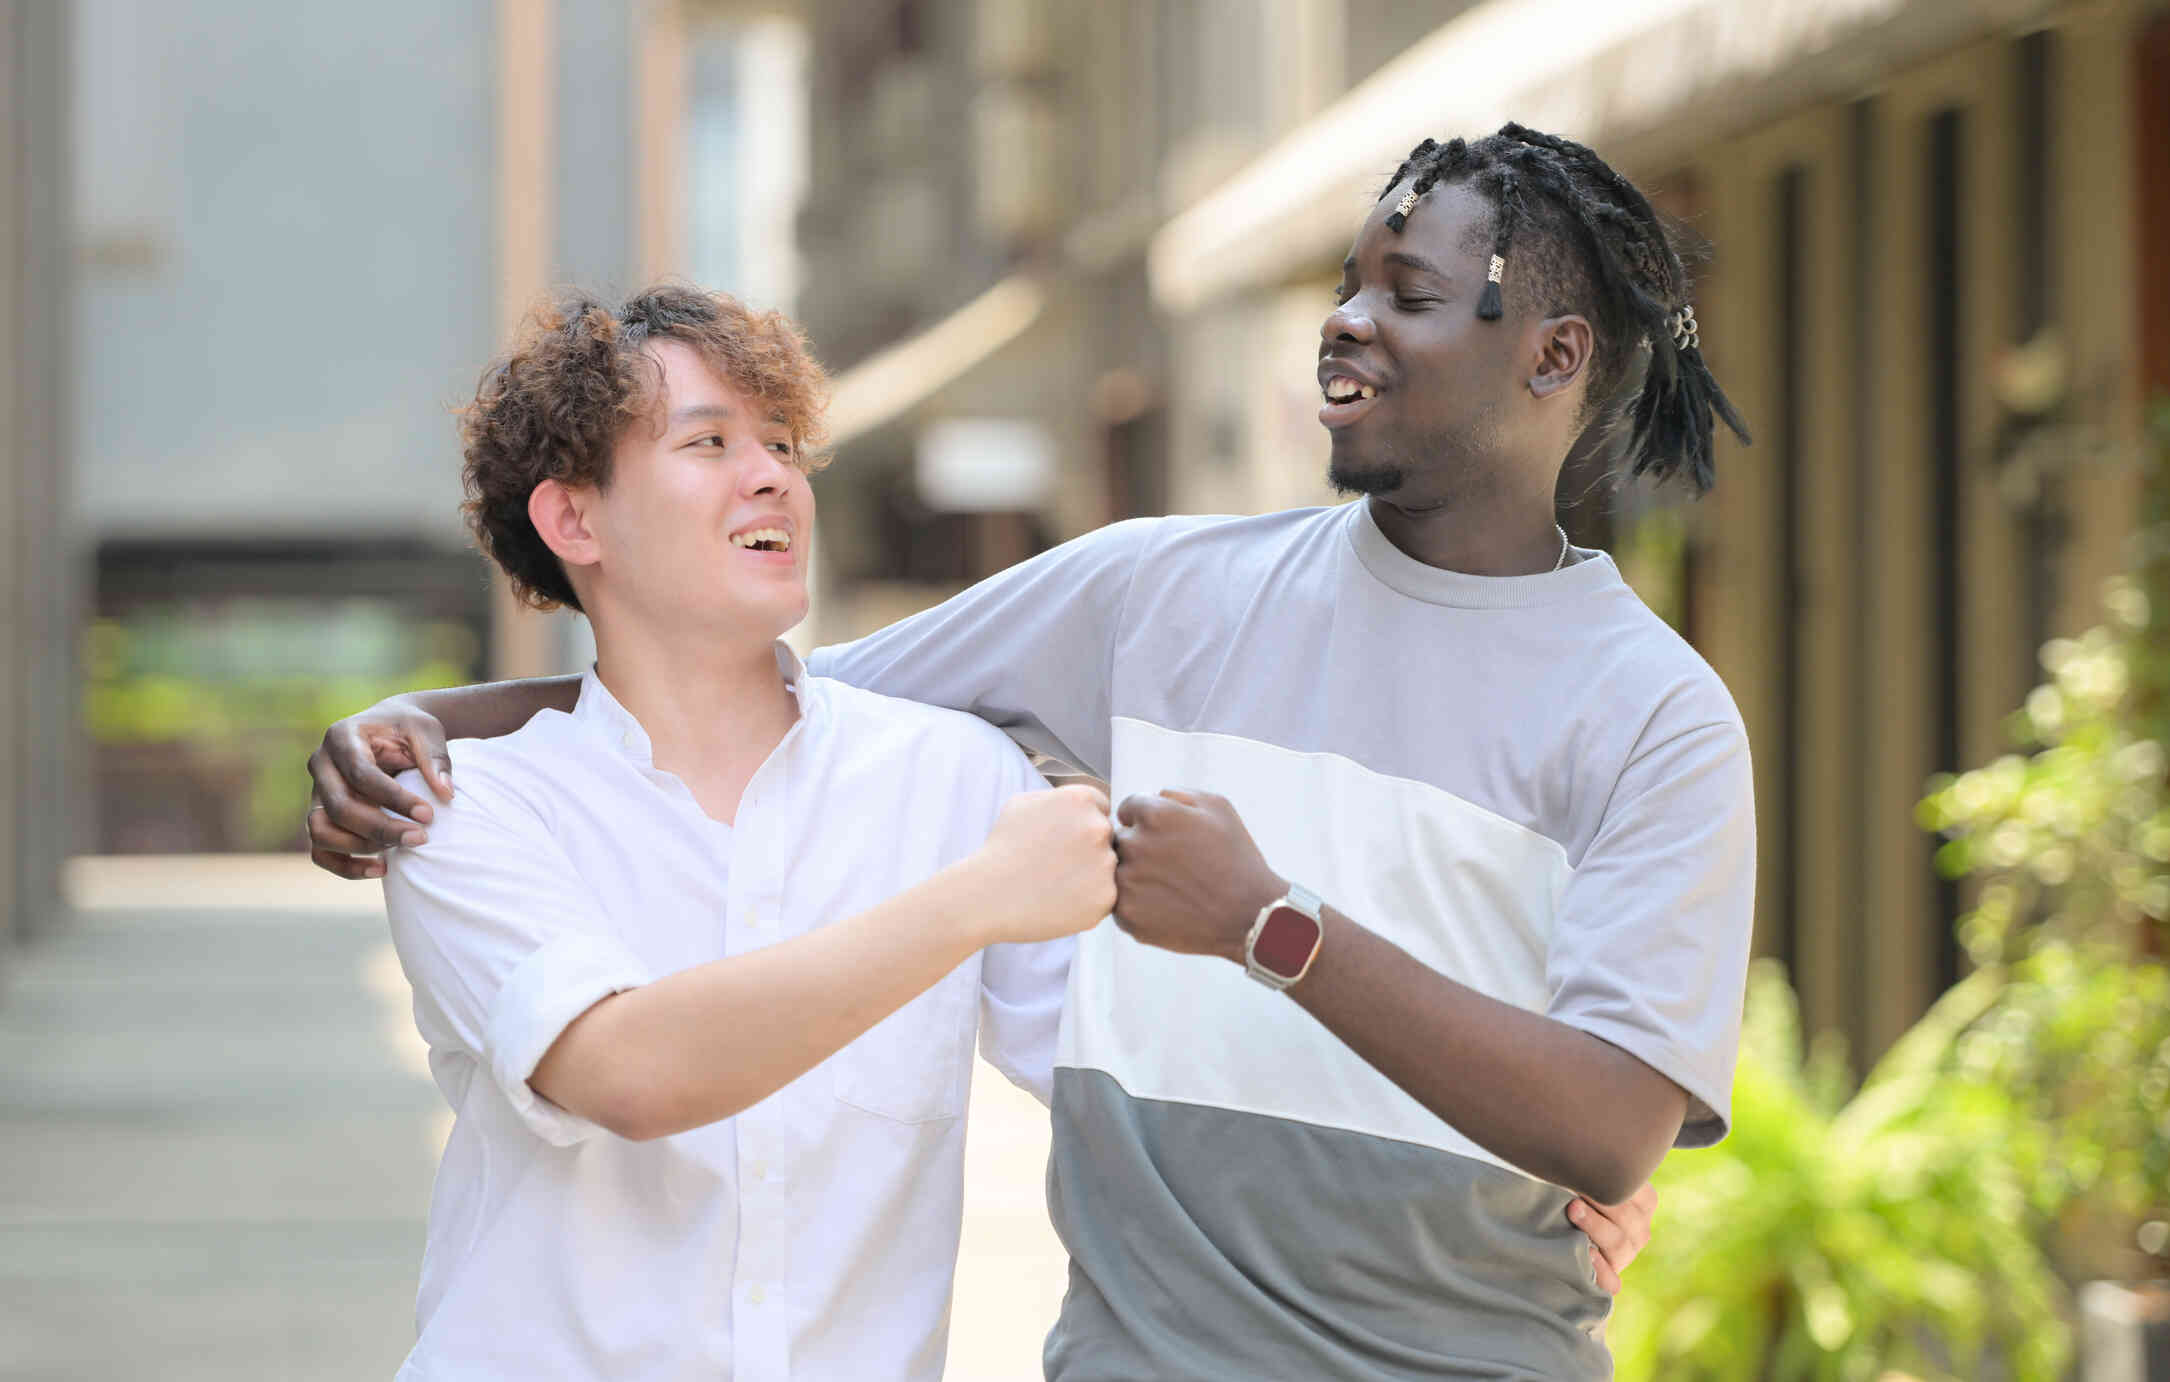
{"type": "Point", "coordinates": [1284, 940]}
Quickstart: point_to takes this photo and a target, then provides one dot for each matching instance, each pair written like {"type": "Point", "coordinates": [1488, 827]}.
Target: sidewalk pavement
{"type": "Point", "coordinates": [217, 1136]}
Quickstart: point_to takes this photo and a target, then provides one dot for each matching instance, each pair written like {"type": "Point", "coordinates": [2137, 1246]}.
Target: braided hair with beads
{"type": "Point", "coordinates": [1569, 234]}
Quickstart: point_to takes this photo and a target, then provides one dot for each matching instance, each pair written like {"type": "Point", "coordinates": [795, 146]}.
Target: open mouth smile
{"type": "Point", "coordinates": [1347, 397]}
{"type": "Point", "coordinates": [771, 539]}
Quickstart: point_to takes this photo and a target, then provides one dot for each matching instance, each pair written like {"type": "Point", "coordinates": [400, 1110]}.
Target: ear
{"type": "Point", "coordinates": [1563, 348]}
{"type": "Point", "coordinates": [559, 513]}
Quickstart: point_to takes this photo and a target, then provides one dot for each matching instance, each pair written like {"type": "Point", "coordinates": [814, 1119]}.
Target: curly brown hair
{"type": "Point", "coordinates": [580, 374]}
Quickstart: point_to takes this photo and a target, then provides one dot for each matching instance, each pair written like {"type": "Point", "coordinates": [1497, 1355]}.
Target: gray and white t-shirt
{"type": "Point", "coordinates": [1530, 784]}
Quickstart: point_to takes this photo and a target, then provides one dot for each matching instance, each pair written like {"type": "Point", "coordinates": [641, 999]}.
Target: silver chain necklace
{"type": "Point", "coordinates": [1563, 547]}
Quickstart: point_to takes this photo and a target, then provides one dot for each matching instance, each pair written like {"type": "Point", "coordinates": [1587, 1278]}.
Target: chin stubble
{"type": "Point", "coordinates": [1355, 479]}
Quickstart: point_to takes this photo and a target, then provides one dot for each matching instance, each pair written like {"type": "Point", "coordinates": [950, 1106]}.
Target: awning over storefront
{"type": "Point", "coordinates": [1643, 78]}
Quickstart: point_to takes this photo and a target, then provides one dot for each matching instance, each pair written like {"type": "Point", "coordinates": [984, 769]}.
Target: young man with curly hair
{"type": "Point", "coordinates": [701, 954]}
{"type": "Point", "coordinates": [1478, 824]}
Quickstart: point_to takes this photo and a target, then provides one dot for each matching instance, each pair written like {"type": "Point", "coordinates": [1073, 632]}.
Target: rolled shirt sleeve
{"type": "Point", "coordinates": [1028, 650]}
{"type": "Point", "coordinates": [501, 940]}
{"type": "Point", "coordinates": [1650, 951]}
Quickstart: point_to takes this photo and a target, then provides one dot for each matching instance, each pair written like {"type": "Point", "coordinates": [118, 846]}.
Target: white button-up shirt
{"type": "Point", "coordinates": [813, 1235]}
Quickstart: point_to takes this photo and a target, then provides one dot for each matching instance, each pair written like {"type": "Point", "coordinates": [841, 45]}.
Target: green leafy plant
{"type": "Point", "coordinates": [1836, 1239]}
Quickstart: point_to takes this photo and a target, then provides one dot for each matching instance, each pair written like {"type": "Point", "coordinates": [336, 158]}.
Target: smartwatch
{"type": "Point", "coordinates": [1285, 939]}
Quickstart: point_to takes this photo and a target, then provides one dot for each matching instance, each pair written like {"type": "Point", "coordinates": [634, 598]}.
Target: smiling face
{"type": "Point", "coordinates": [707, 520]}
{"type": "Point", "coordinates": [1418, 390]}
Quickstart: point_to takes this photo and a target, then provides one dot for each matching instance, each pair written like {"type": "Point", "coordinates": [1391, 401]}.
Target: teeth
{"type": "Point", "coordinates": [755, 536]}
{"type": "Point", "coordinates": [1369, 392]}
{"type": "Point", "coordinates": [1342, 389]}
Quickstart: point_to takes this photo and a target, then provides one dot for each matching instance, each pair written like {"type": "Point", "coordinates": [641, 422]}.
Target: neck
{"type": "Point", "coordinates": [1477, 541]}
{"type": "Point", "coordinates": [713, 707]}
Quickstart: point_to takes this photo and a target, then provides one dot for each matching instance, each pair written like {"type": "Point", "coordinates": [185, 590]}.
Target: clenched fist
{"type": "Point", "coordinates": [1190, 879]}
{"type": "Point", "coordinates": [1047, 868]}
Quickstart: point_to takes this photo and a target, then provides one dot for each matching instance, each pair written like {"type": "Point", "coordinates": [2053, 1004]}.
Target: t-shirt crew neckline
{"type": "Point", "coordinates": [1588, 572]}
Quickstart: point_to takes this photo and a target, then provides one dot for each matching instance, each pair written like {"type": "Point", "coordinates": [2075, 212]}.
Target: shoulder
{"type": "Point", "coordinates": [1650, 703]}
{"type": "Point", "coordinates": [1643, 661]}
{"type": "Point", "coordinates": [1208, 566]}
{"type": "Point", "coordinates": [1136, 539]}
{"type": "Point", "coordinates": [925, 733]}
{"type": "Point", "coordinates": [508, 781]}
{"type": "Point", "coordinates": [1216, 535]}
{"type": "Point", "coordinates": [1689, 691]}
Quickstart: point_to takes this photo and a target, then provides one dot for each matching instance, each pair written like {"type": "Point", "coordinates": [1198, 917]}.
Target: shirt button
{"type": "Point", "coordinates": [757, 1295]}
{"type": "Point", "coordinates": [629, 742]}
{"type": "Point", "coordinates": [759, 1170]}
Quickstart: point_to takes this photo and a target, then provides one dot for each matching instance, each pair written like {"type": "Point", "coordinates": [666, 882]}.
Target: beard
{"type": "Point", "coordinates": [1447, 465]}
{"type": "Point", "coordinates": [1354, 470]}
{"type": "Point", "coordinates": [1353, 478]}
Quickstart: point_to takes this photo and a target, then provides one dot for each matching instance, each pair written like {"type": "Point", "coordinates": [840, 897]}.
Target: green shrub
{"type": "Point", "coordinates": [1836, 1239]}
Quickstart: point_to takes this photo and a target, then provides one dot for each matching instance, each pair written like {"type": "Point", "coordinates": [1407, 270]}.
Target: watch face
{"type": "Point", "coordinates": [1285, 942]}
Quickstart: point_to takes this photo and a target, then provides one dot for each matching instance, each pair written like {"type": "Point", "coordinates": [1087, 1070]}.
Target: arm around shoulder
{"type": "Point", "coordinates": [1028, 649]}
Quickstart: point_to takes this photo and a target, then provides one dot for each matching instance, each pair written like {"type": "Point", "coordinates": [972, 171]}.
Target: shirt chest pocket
{"type": "Point", "coordinates": [915, 1066]}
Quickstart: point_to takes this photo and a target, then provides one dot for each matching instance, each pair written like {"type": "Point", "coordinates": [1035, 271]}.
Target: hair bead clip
{"type": "Point", "coordinates": [1402, 208]}
{"type": "Point", "coordinates": [1490, 306]}
{"type": "Point", "coordinates": [1686, 336]}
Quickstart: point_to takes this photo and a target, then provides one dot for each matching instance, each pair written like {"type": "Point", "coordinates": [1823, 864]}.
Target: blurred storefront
{"type": "Point", "coordinates": [1936, 286]}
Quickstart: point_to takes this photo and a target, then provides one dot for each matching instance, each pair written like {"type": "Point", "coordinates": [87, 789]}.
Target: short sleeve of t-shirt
{"type": "Point", "coordinates": [1648, 950]}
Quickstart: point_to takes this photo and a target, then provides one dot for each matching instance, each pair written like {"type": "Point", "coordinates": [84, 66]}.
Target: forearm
{"type": "Point", "coordinates": [496, 708]}
{"type": "Point", "coordinates": [708, 1042]}
{"type": "Point", "coordinates": [1539, 1094]}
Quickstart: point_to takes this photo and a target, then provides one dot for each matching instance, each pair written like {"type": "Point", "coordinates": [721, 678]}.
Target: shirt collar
{"type": "Point", "coordinates": [602, 712]}
{"type": "Point", "coordinates": [1590, 571]}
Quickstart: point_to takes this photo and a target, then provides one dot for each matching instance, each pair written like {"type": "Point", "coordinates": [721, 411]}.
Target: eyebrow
{"type": "Point", "coordinates": [1420, 264]}
{"type": "Point", "coordinates": [1405, 260]}
{"type": "Point", "coordinates": [706, 412]}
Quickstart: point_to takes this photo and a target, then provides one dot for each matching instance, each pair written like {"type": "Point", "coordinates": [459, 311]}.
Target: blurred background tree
{"type": "Point", "coordinates": [2070, 846]}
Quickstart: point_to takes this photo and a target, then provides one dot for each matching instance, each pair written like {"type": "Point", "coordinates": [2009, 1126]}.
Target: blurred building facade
{"type": "Point", "coordinates": [1936, 286]}
{"type": "Point", "coordinates": [41, 576]}
{"type": "Point", "coordinates": [986, 178]}
{"type": "Point", "coordinates": [297, 236]}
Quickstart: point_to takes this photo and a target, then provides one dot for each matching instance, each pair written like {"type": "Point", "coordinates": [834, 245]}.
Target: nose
{"type": "Point", "coordinates": [1348, 322]}
{"type": "Point", "coordinates": [770, 475]}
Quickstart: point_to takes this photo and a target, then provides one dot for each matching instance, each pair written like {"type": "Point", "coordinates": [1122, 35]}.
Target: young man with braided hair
{"type": "Point", "coordinates": [1477, 822]}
